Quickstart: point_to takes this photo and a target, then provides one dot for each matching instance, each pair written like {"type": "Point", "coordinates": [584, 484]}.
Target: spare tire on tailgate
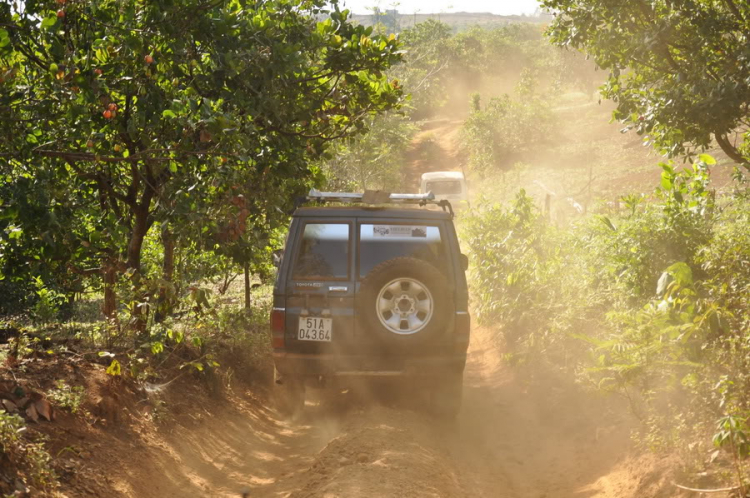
{"type": "Point", "coordinates": [405, 300]}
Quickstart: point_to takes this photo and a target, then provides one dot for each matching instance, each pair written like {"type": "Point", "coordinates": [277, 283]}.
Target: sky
{"type": "Point", "coordinates": [504, 7]}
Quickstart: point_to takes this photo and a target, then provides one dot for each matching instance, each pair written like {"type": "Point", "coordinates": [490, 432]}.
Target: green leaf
{"type": "Point", "coordinates": [168, 114]}
{"type": "Point", "coordinates": [707, 159]}
{"type": "Point", "coordinates": [114, 369]}
{"type": "Point", "coordinates": [666, 180]}
{"type": "Point", "coordinates": [157, 347]}
{"type": "Point", "coordinates": [682, 273]}
{"type": "Point", "coordinates": [14, 232]}
{"type": "Point", "coordinates": [607, 222]}
{"type": "Point", "coordinates": [49, 21]}
{"type": "Point", "coordinates": [600, 344]}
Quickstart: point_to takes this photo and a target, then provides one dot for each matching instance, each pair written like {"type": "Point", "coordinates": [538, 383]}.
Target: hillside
{"type": "Point", "coordinates": [458, 21]}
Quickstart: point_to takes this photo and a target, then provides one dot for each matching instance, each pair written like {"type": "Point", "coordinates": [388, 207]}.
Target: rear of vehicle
{"type": "Point", "coordinates": [446, 185]}
{"type": "Point", "coordinates": [371, 292]}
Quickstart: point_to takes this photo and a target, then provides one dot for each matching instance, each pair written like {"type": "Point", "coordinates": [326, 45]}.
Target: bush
{"type": "Point", "coordinates": [498, 135]}
{"type": "Point", "coordinates": [67, 397]}
{"type": "Point", "coordinates": [29, 459]}
{"type": "Point", "coordinates": [532, 280]}
{"type": "Point", "coordinates": [653, 304]}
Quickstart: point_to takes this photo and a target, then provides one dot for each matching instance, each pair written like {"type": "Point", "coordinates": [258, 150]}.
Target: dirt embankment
{"type": "Point", "coordinates": [515, 437]}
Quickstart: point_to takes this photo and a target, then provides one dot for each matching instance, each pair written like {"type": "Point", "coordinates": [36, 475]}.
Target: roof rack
{"type": "Point", "coordinates": [379, 197]}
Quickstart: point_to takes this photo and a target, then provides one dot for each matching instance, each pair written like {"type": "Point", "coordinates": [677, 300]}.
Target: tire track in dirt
{"type": "Point", "coordinates": [434, 148]}
{"type": "Point", "coordinates": [509, 441]}
{"type": "Point", "coordinates": [516, 437]}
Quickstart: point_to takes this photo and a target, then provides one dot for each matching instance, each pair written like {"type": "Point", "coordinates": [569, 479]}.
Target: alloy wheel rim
{"type": "Point", "coordinates": [404, 306]}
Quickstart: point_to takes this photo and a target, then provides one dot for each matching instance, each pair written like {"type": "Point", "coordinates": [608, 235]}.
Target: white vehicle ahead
{"type": "Point", "coordinates": [448, 185]}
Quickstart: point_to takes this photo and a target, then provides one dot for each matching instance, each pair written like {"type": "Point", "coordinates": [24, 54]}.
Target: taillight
{"type": "Point", "coordinates": [278, 324]}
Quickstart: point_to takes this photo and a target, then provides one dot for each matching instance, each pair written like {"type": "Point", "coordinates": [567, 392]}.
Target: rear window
{"type": "Point", "coordinates": [323, 252]}
{"type": "Point", "coordinates": [443, 187]}
{"type": "Point", "coordinates": [379, 243]}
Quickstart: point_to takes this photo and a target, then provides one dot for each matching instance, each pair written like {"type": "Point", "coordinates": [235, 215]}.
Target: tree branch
{"type": "Point", "coordinates": [730, 150]}
{"type": "Point", "coordinates": [731, 5]}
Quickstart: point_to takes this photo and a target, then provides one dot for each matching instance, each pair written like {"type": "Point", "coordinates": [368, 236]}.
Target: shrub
{"type": "Point", "coordinates": [653, 304]}
{"type": "Point", "coordinates": [66, 396]}
{"type": "Point", "coordinates": [498, 135]}
{"type": "Point", "coordinates": [29, 458]}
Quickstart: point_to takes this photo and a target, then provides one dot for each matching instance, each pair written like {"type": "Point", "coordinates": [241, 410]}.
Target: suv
{"type": "Point", "coordinates": [371, 289]}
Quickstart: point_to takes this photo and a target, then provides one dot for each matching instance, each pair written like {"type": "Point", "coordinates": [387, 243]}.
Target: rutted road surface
{"type": "Point", "coordinates": [512, 439]}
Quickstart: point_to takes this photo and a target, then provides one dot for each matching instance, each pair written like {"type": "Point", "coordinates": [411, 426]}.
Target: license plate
{"type": "Point", "coordinates": [315, 329]}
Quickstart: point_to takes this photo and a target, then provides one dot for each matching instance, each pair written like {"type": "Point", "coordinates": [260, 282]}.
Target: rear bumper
{"type": "Point", "coordinates": [365, 366]}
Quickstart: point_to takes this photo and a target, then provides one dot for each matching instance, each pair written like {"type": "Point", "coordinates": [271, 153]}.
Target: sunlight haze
{"type": "Point", "coordinates": [502, 7]}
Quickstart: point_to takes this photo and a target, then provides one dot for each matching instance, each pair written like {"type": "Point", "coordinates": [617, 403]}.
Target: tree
{"type": "Point", "coordinates": [375, 160]}
{"type": "Point", "coordinates": [153, 111]}
{"type": "Point", "coordinates": [679, 70]}
{"type": "Point", "coordinates": [428, 58]}
{"type": "Point", "coordinates": [42, 237]}
{"type": "Point", "coordinates": [498, 135]}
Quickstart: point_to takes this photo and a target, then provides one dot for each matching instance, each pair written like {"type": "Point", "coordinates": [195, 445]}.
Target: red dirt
{"type": "Point", "coordinates": [434, 148]}
{"type": "Point", "coordinates": [513, 438]}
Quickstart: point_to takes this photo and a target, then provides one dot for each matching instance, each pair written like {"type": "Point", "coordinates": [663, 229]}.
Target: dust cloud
{"type": "Point", "coordinates": [517, 435]}
{"type": "Point", "coordinates": [511, 439]}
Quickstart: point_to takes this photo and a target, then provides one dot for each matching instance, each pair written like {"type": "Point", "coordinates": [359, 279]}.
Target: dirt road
{"type": "Point", "coordinates": [512, 439]}
{"type": "Point", "coordinates": [515, 437]}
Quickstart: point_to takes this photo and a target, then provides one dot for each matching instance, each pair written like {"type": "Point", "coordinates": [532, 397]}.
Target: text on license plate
{"type": "Point", "coordinates": [315, 329]}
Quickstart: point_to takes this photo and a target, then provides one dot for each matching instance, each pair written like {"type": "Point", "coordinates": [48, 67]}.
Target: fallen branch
{"type": "Point", "coordinates": [696, 490]}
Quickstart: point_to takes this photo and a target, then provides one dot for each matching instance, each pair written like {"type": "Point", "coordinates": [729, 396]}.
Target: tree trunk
{"type": "Point", "coordinates": [140, 229]}
{"type": "Point", "coordinates": [247, 285]}
{"type": "Point", "coordinates": [164, 303]}
{"type": "Point", "coordinates": [168, 240]}
{"type": "Point", "coordinates": [141, 225]}
{"type": "Point", "coordinates": [110, 295]}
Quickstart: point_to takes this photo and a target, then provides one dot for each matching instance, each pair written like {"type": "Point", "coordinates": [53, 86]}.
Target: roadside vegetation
{"type": "Point", "coordinates": [149, 154]}
{"type": "Point", "coordinates": [650, 304]}
{"type": "Point", "coordinates": [647, 297]}
{"type": "Point", "coordinates": [141, 236]}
